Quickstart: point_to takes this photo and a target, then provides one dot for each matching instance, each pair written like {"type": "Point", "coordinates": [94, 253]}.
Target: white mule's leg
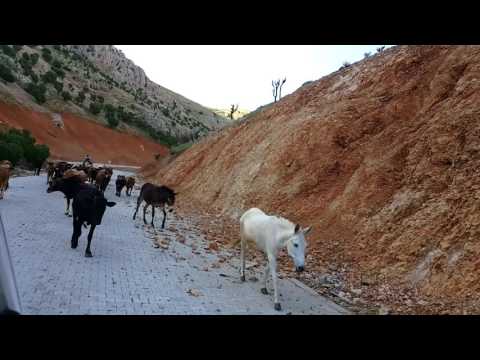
{"type": "Point", "coordinates": [242, 258]}
{"type": "Point", "coordinates": [267, 273]}
{"type": "Point", "coordinates": [273, 269]}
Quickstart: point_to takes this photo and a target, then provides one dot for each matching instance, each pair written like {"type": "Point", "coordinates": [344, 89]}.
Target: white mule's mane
{"type": "Point", "coordinates": [284, 222]}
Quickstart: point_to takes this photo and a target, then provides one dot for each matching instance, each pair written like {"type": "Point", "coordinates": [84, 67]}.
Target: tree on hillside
{"type": "Point", "coordinates": [36, 155]}
{"type": "Point", "coordinates": [37, 91]}
{"type": "Point", "coordinates": [277, 88]}
{"type": "Point", "coordinates": [6, 74]}
{"type": "Point", "coordinates": [233, 110]}
{"type": "Point", "coordinates": [20, 144]}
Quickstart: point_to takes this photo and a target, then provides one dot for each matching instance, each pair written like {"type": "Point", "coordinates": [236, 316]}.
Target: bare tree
{"type": "Point", "coordinates": [275, 85]}
{"type": "Point", "coordinates": [277, 88]}
{"type": "Point", "coordinates": [280, 89]}
{"type": "Point", "coordinates": [233, 110]}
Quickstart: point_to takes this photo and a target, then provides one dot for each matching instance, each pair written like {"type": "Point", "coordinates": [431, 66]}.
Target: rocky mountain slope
{"type": "Point", "coordinates": [381, 157]}
{"type": "Point", "coordinates": [98, 82]}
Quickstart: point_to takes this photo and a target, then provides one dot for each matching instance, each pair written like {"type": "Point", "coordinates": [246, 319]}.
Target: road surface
{"type": "Point", "coordinates": [128, 274]}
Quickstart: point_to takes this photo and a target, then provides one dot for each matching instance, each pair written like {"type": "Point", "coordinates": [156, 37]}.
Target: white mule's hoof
{"type": "Point", "coordinates": [278, 307]}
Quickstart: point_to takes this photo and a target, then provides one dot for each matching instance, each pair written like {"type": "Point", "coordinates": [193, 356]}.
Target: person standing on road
{"type": "Point", "coordinates": [87, 160]}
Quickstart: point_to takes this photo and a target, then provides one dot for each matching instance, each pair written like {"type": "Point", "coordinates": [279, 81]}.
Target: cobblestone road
{"type": "Point", "coordinates": [128, 274]}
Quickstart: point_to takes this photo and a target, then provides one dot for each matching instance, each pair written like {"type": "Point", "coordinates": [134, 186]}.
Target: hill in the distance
{"type": "Point", "coordinates": [98, 82]}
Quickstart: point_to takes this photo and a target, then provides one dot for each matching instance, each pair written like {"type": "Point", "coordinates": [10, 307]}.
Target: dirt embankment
{"type": "Point", "coordinates": [382, 158]}
{"type": "Point", "coordinates": [79, 136]}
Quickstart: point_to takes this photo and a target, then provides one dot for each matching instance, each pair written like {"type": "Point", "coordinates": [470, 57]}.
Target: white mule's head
{"type": "Point", "coordinates": [296, 246]}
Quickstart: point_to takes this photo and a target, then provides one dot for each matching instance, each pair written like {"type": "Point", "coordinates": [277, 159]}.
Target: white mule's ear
{"type": "Point", "coordinates": [307, 230]}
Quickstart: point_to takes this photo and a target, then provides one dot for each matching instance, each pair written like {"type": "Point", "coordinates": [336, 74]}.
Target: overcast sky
{"type": "Point", "coordinates": [219, 75]}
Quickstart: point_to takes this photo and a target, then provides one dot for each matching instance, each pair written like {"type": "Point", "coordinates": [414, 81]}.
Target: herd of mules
{"type": "Point", "coordinates": [86, 185]}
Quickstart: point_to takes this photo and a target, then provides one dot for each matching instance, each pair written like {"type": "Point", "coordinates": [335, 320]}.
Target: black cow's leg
{"type": "Point", "coordinates": [153, 214]}
{"type": "Point", "coordinates": [67, 211]}
{"type": "Point", "coordinates": [88, 253]}
{"type": "Point", "coordinates": [77, 231]}
{"type": "Point", "coordinates": [164, 218]}
{"type": "Point", "coordinates": [144, 212]}
{"type": "Point", "coordinates": [139, 201]}
{"type": "Point", "coordinates": [136, 210]}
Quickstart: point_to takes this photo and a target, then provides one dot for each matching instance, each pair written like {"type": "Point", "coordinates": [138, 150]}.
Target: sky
{"type": "Point", "coordinates": [217, 76]}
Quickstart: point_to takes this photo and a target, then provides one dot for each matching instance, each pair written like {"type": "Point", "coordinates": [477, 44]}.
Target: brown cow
{"type": "Point", "coordinates": [103, 178]}
{"type": "Point", "coordinates": [130, 184]}
{"type": "Point", "coordinates": [5, 168]}
{"type": "Point", "coordinates": [78, 176]}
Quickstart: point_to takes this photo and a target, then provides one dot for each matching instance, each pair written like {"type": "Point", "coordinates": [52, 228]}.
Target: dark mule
{"type": "Point", "coordinates": [130, 184]}
{"type": "Point", "coordinates": [120, 184]}
{"type": "Point", "coordinates": [89, 205]}
{"type": "Point", "coordinates": [155, 196]}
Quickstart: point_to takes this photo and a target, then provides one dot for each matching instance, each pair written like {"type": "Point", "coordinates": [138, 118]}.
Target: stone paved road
{"type": "Point", "coordinates": [127, 274]}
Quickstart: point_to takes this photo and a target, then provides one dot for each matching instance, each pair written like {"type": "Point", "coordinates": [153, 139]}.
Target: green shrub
{"type": "Point", "coordinates": [20, 144]}
{"type": "Point", "coordinates": [49, 77]}
{"type": "Point", "coordinates": [34, 77]}
{"type": "Point", "coordinates": [10, 151]}
{"type": "Point", "coordinates": [7, 50]}
{"type": "Point", "coordinates": [58, 86]}
{"type": "Point", "coordinates": [80, 97]}
{"type": "Point", "coordinates": [57, 63]}
{"type": "Point", "coordinates": [17, 48]}
{"type": "Point", "coordinates": [66, 96]}
{"type": "Point", "coordinates": [36, 154]}
{"type": "Point", "coordinates": [95, 108]}
{"type": "Point", "coordinates": [6, 74]}
{"type": "Point", "coordinates": [47, 55]}
{"type": "Point", "coordinates": [26, 63]}
{"type": "Point", "coordinates": [112, 120]}
{"type": "Point", "coordinates": [37, 91]}
{"type": "Point", "coordinates": [60, 73]}
{"type": "Point", "coordinates": [34, 59]}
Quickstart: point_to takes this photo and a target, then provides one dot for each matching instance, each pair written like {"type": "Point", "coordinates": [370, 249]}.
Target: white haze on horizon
{"type": "Point", "coordinates": [216, 76]}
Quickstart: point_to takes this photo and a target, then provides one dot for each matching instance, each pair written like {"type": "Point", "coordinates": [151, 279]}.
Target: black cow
{"type": "Point", "coordinates": [89, 205]}
{"type": "Point", "coordinates": [155, 196]}
{"type": "Point", "coordinates": [120, 183]}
